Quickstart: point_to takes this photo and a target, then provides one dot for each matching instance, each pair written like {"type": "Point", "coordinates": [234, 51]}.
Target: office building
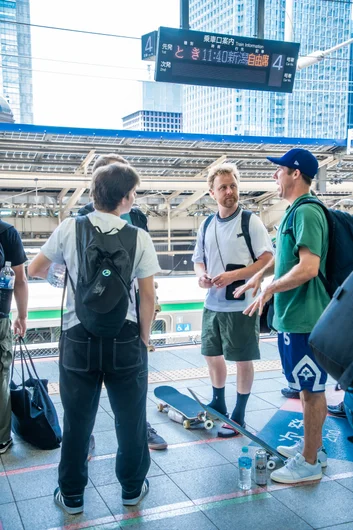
{"type": "Point", "coordinates": [15, 57]}
{"type": "Point", "coordinates": [318, 106]}
{"type": "Point", "coordinates": [161, 109]}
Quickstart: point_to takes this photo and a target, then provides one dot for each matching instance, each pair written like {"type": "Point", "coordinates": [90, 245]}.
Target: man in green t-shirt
{"type": "Point", "coordinates": [300, 298]}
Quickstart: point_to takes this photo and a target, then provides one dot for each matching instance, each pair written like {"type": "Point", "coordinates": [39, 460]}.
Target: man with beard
{"type": "Point", "coordinates": [222, 258]}
{"type": "Point", "coordinates": [300, 298]}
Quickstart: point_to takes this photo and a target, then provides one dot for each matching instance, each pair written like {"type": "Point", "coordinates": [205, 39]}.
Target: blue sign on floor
{"type": "Point", "coordinates": [183, 327]}
{"type": "Point", "coordinates": [286, 428]}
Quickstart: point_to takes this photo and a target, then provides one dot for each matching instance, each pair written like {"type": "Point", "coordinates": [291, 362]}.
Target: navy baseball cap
{"type": "Point", "coordinates": [300, 159]}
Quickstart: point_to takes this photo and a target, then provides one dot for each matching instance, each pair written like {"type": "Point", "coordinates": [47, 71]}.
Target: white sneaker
{"type": "Point", "coordinates": [136, 500]}
{"type": "Point", "coordinates": [291, 450]}
{"type": "Point", "coordinates": [297, 470]}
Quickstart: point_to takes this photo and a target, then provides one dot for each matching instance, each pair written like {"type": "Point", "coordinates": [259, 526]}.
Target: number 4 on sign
{"type": "Point", "coordinates": [149, 45]}
{"type": "Point", "coordinates": [278, 63]}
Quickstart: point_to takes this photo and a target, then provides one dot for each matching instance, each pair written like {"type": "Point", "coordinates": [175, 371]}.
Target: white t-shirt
{"type": "Point", "coordinates": [233, 250]}
{"type": "Point", "coordinates": [61, 248]}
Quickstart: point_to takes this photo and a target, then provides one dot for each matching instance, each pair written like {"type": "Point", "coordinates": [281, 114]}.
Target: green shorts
{"type": "Point", "coordinates": [234, 335]}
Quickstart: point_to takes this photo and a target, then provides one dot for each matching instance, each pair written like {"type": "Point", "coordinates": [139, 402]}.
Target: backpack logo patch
{"type": "Point", "coordinates": [106, 272]}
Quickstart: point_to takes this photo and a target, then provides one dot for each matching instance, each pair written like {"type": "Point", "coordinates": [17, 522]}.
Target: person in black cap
{"type": "Point", "coordinates": [300, 298]}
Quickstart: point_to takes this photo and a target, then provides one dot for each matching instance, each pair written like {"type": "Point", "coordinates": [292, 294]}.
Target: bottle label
{"type": "Point", "coordinates": [7, 282]}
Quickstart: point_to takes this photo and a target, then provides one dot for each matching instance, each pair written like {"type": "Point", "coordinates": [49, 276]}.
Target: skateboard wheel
{"type": "Point", "coordinates": [208, 425]}
{"type": "Point", "coordinates": [186, 424]}
{"type": "Point", "coordinates": [160, 407]}
{"type": "Point", "coordinates": [271, 465]}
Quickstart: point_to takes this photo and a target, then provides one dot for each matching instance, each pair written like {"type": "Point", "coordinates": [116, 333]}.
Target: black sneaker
{"type": "Point", "coordinates": [154, 440]}
{"type": "Point", "coordinates": [290, 393]}
{"type": "Point", "coordinates": [136, 500]}
{"type": "Point", "coordinates": [336, 410]}
{"type": "Point", "coordinates": [4, 447]}
{"type": "Point", "coordinates": [72, 504]}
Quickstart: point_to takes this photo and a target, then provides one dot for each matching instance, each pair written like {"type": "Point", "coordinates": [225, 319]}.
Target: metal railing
{"type": "Point", "coordinates": [43, 342]}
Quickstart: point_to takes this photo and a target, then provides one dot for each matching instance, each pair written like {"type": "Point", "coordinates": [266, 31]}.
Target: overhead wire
{"type": "Point", "coordinates": [72, 30]}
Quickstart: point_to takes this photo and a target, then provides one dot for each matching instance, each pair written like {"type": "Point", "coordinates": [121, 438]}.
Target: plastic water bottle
{"type": "Point", "coordinates": [7, 283]}
{"type": "Point", "coordinates": [56, 275]}
{"type": "Point", "coordinates": [245, 464]}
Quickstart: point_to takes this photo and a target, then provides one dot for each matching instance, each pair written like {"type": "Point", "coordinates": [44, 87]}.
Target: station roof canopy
{"type": "Point", "coordinates": [58, 161]}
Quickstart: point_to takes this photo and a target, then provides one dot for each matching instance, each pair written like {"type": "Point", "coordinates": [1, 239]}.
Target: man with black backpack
{"type": "Point", "coordinates": [104, 338]}
{"type": "Point", "coordinates": [300, 296]}
{"type": "Point", "coordinates": [231, 246]}
{"type": "Point", "coordinates": [11, 249]}
{"type": "Point", "coordinates": [136, 218]}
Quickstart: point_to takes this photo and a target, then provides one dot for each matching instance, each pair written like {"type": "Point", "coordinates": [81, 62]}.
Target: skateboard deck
{"type": "Point", "coordinates": [270, 450]}
{"type": "Point", "coordinates": [184, 405]}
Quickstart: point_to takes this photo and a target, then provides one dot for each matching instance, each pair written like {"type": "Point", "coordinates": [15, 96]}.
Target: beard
{"type": "Point", "coordinates": [229, 201]}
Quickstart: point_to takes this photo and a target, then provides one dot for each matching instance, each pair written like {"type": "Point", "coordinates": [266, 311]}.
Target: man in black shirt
{"type": "Point", "coordinates": [11, 249]}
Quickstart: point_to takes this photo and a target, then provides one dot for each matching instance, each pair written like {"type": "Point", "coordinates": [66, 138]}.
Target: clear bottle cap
{"type": "Point", "coordinates": [7, 263]}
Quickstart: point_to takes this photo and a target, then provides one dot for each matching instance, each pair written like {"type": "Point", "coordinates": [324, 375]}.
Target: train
{"type": "Point", "coordinates": [181, 304]}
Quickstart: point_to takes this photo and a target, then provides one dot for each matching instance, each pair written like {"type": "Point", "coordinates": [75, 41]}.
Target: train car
{"type": "Point", "coordinates": [179, 320]}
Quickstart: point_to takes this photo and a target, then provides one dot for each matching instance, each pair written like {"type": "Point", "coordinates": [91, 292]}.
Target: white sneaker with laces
{"type": "Point", "coordinates": [291, 450]}
{"type": "Point", "coordinates": [297, 470]}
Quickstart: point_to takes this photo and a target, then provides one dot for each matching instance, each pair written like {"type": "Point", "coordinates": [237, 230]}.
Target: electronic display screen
{"type": "Point", "coordinates": [211, 59]}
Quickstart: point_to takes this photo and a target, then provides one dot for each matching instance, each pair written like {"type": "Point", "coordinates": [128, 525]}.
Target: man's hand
{"type": "Point", "coordinates": [259, 303]}
{"type": "Point", "coordinates": [254, 283]}
{"type": "Point", "coordinates": [20, 326]}
{"type": "Point", "coordinates": [205, 282]}
{"type": "Point", "coordinates": [224, 279]}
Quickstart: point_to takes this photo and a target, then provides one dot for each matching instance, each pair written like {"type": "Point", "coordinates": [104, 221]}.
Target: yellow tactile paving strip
{"type": "Point", "coordinates": [192, 373]}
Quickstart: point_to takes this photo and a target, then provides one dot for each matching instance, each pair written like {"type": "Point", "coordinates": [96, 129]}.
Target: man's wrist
{"type": "Point", "coordinates": [271, 288]}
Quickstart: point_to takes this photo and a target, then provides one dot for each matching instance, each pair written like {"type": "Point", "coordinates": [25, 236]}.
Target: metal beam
{"type": "Point", "coordinates": [198, 194]}
{"type": "Point", "coordinates": [259, 19]}
{"type": "Point", "coordinates": [62, 194]}
{"type": "Point", "coordinates": [71, 202]}
{"type": "Point", "coordinates": [188, 202]}
{"type": "Point", "coordinates": [82, 168]}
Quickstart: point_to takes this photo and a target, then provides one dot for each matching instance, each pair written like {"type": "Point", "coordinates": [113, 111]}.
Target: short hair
{"type": "Point", "coordinates": [222, 169]}
{"type": "Point", "coordinates": [104, 160]}
{"type": "Point", "coordinates": [308, 180]}
{"type": "Point", "coordinates": [111, 183]}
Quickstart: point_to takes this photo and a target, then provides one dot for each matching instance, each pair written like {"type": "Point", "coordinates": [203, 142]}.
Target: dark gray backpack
{"type": "Point", "coordinates": [105, 263]}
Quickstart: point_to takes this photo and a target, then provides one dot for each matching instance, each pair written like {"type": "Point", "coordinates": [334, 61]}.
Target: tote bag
{"type": "Point", "coordinates": [34, 417]}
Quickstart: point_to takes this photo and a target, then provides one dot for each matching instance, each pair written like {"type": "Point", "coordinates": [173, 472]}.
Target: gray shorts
{"type": "Point", "coordinates": [234, 335]}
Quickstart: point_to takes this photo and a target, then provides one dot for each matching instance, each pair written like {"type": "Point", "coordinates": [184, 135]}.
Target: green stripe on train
{"type": "Point", "coordinates": [166, 308]}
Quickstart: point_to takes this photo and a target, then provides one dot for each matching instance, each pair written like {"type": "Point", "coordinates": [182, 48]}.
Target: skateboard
{"type": "Point", "coordinates": [273, 456]}
{"type": "Point", "coordinates": [181, 408]}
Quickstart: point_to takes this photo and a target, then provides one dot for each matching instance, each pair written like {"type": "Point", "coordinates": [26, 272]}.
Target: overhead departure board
{"type": "Point", "coordinates": [211, 59]}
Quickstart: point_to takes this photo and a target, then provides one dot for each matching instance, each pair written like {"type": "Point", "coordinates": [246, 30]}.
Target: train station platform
{"type": "Point", "coordinates": [193, 483]}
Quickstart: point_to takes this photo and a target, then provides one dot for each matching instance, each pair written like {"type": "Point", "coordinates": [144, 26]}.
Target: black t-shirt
{"type": "Point", "coordinates": [12, 246]}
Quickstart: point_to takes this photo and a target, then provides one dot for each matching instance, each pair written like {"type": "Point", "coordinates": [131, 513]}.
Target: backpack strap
{"type": "Point", "coordinates": [245, 231]}
{"type": "Point", "coordinates": [289, 230]}
{"type": "Point", "coordinates": [205, 226]}
{"type": "Point", "coordinates": [245, 224]}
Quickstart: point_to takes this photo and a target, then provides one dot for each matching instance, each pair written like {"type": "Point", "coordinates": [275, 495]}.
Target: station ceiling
{"type": "Point", "coordinates": [48, 169]}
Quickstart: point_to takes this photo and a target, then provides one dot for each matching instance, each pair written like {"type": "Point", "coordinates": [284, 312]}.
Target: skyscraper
{"type": "Point", "coordinates": [318, 106]}
{"type": "Point", "coordinates": [161, 109]}
{"type": "Point", "coordinates": [15, 58]}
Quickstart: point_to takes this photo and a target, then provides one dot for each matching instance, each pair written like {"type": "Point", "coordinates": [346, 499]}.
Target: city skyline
{"type": "Point", "coordinates": [318, 106]}
{"type": "Point", "coordinates": [15, 59]}
{"type": "Point", "coordinates": [94, 80]}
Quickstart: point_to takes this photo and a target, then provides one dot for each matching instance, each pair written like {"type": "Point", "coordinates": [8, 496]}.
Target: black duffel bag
{"type": "Point", "coordinates": [34, 417]}
{"type": "Point", "coordinates": [332, 337]}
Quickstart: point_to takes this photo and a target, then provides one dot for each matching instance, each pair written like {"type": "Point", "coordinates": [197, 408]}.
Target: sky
{"type": "Point", "coordinates": [99, 93]}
